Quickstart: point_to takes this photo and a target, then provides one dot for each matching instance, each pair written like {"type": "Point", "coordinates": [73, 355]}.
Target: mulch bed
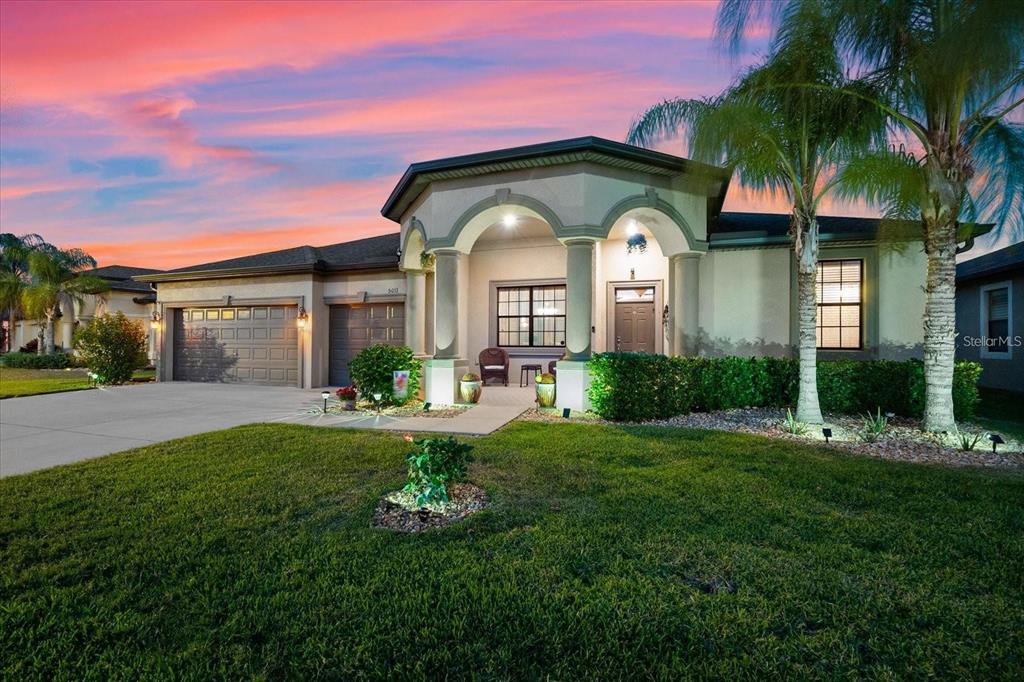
{"type": "Point", "coordinates": [903, 439]}
{"type": "Point", "coordinates": [464, 499]}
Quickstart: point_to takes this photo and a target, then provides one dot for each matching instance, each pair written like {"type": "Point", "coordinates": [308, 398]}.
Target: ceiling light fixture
{"type": "Point", "coordinates": [509, 220]}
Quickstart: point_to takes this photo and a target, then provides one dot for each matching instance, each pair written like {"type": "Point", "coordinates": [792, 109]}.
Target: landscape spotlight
{"type": "Point", "coordinates": [827, 433]}
{"type": "Point", "coordinates": [325, 395]}
{"type": "Point", "coordinates": [426, 407]}
{"type": "Point", "coordinates": [996, 440]}
{"type": "Point", "coordinates": [565, 413]}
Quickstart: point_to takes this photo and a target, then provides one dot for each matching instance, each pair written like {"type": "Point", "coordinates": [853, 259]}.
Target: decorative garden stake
{"type": "Point", "coordinates": [636, 241]}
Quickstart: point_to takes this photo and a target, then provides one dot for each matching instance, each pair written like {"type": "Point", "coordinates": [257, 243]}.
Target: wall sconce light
{"type": "Point", "coordinates": [302, 318]}
{"type": "Point", "coordinates": [156, 320]}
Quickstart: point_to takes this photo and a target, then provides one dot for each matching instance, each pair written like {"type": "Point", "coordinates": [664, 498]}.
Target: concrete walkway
{"type": "Point", "coordinates": [498, 406]}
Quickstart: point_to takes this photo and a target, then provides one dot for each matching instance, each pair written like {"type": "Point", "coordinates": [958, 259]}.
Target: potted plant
{"type": "Point", "coordinates": [347, 397]}
{"type": "Point", "coordinates": [545, 390]}
{"type": "Point", "coordinates": [470, 387]}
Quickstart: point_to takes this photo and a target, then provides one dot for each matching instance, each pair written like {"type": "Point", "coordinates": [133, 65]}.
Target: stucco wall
{"type": "Point", "coordinates": [579, 194]}
{"type": "Point", "coordinates": [1008, 373]}
{"type": "Point", "coordinates": [901, 277]}
{"type": "Point", "coordinates": [613, 264]}
{"type": "Point", "coordinates": [745, 302]}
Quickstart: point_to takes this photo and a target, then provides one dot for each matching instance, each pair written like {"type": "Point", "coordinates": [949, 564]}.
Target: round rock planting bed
{"type": "Point", "coordinates": [396, 511]}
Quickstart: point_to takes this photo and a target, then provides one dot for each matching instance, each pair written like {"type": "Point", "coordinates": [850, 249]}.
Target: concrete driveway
{"type": "Point", "coordinates": [46, 430]}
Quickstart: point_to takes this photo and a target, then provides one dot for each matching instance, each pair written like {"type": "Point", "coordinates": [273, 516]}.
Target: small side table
{"type": "Point", "coordinates": [524, 371]}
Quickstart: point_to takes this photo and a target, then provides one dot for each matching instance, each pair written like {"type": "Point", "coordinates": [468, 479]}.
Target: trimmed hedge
{"type": "Point", "coordinates": [640, 386]}
{"type": "Point", "coordinates": [36, 361]}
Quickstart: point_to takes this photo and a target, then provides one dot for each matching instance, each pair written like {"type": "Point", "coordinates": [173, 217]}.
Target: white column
{"type": "Point", "coordinates": [579, 298]}
{"type": "Point", "coordinates": [446, 305]}
{"type": "Point", "coordinates": [67, 326]}
{"type": "Point", "coordinates": [684, 290]}
{"type": "Point", "coordinates": [573, 378]}
{"type": "Point", "coordinates": [415, 311]}
{"type": "Point", "coordinates": [443, 371]}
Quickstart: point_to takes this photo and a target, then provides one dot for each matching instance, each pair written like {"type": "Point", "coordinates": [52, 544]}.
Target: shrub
{"type": "Point", "coordinates": [436, 462]}
{"type": "Point", "coordinates": [372, 371]}
{"type": "Point", "coordinates": [112, 347]}
{"type": "Point", "coordinates": [873, 426]}
{"type": "Point", "coordinates": [36, 361]}
{"type": "Point", "coordinates": [639, 386]}
{"type": "Point", "coordinates": [791, 425]}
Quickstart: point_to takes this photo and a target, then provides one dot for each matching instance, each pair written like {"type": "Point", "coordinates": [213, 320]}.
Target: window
{"type": "Point", "coordinates": [995, 320]}
{"type": "Point", "coordinates": [531, 316]}
{"type": "Point", "coordinates": [840, 304]}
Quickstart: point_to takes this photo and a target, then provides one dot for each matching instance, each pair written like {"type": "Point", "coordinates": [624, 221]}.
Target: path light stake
{"type": "Point", "coordinates": [996, 440]}
{"type": "Point", "coordinates": [325, 395]}
{"type": "Point", "coordinates": [376, 399]}
{"type": "Point", "coordinates": [827, 433]}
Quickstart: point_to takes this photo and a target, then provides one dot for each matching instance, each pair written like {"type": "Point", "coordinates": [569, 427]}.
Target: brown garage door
{"type": "Point", "coordinates": [356, 326]}
{"type": "Point", "coordinates": [240, 344]}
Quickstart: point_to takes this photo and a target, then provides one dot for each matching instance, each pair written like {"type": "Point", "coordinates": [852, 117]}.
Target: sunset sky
{"type": "Point", "coordinates": [167, 134]}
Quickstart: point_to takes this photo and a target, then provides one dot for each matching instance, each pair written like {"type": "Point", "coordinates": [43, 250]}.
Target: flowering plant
{"type": "Point", "coordinates": [346, 393]}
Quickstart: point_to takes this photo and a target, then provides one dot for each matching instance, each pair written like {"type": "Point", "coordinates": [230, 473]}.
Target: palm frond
{"type": "Point", "coordinates": [666, 119]}
{"type": "Point", "coordinates": [998, 187]}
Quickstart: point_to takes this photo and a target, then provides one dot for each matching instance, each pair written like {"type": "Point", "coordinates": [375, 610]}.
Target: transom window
{"type": "Point", "coordinates": [531, 316]}
{"type": "Point", "coordinates": [840, 304]}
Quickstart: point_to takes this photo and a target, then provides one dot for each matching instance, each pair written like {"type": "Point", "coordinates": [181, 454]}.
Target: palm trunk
{"type": "Point", "coordinates": [807, 407]}
{"type": "Point", "coordinates": [940, 324]}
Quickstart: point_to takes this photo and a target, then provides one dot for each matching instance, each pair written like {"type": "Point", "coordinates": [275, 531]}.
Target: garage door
{"type": "Point", "coordinates": [240, 344]}
{"type": "Point", "coordinates": [354, 327]}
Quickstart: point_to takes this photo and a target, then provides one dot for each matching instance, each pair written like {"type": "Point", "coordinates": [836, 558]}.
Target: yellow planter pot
{"type": "Point", "coordinates": [546, 395]}
{"type": "Point", "coordinates": [470, 391]}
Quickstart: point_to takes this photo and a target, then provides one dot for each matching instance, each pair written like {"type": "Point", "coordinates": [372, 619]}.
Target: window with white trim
{"type": "Point", "coordinates": [531, 316]}
{"type": "Point", "coordinates": [995, 320]}
{"type": "Point", "coordinates": [840, 295]}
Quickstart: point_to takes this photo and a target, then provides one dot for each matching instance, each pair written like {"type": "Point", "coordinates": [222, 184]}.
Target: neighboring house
{"type": "Point", "coordinates": [137, 300]}
{"type": "Point", "coordinates": [990, 316]}
{"type": "Point", "coordinates": [527, 249]}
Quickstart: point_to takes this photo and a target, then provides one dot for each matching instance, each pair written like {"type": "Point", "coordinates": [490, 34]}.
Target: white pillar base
{"type": "Point", "coordinates": [441, 380]}
{"type": "Point", "coordinates": [571, 384]}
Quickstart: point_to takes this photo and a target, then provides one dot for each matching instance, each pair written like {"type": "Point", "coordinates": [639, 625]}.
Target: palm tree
{"type": "Point", "coordinates": [781, 138]}
{"type": "Point", "coordinates": [56, 280]}
{"type": "Point", "coordinates": [949, 72]}
{"type": "Point", "coordinates": [14, 253]}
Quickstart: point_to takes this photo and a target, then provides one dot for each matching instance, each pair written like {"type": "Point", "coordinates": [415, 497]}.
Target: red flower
{"type": "Point", "coordinates": [346, 393]}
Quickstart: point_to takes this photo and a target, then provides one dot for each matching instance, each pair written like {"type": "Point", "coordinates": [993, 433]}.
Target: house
{"type": "Point", "coordinates": [137, 300]}
{"type": "Point", "coordinates": [552, 251]}
{"type": "Point", "coordinates": [990, 316]}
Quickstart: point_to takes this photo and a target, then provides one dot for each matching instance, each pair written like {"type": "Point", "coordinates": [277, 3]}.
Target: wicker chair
{"type": "Point", "coordinates": [494, 365]}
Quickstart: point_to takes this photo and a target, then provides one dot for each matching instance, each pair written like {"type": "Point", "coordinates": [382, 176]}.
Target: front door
{"type": "Point", "coordinates": [634, 319]}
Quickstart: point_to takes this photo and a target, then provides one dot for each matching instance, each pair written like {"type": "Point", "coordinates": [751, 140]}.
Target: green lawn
{"type": "Point", "coordinates": [608, 553]}
{"type": "Point", "coordinates": [21, 382]}
{"type": "Point", "coordinates": [15, 383]}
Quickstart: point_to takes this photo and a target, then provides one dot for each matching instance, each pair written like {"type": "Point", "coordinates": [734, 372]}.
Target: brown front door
{"type": "Point", "coordinates": [634, 320]}
{"type": "Point", "coordinates": [356, 326]}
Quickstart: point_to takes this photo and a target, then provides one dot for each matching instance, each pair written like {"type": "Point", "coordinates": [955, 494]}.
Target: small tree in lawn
{"type": "Point", "coordinates": [112, 347]}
